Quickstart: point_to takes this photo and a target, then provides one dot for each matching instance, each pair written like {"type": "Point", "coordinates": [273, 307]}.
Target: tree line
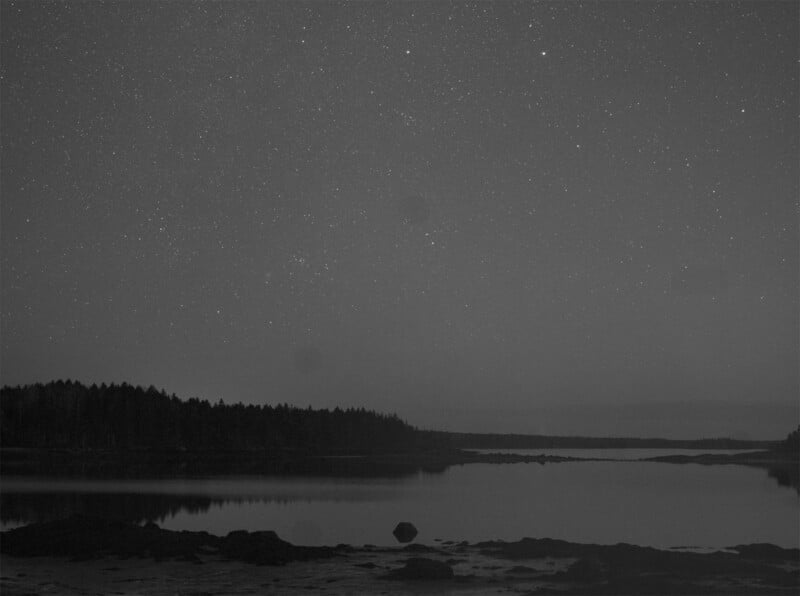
{"type": "Point", "coordinates": [68, 414]}
{"type": "Point", "coordinates": [791, 444]}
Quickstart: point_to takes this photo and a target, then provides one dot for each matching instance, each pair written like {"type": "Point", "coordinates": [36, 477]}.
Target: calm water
{"type": "Point", "coordinates": [626, 454]}
{"type": "Point", "coordinates": [604, 502]}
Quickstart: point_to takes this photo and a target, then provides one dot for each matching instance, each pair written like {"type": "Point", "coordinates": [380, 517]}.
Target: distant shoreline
{"type": "Point", "coordinates": [70, 415]}
{"type": "Point", "coordinates": [387, 463]}
{"type": "Point", "coordinates": [524, 441]}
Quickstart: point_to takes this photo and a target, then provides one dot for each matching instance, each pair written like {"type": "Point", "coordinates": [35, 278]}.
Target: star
{"type": "Point", "coordinates": [219, 166]}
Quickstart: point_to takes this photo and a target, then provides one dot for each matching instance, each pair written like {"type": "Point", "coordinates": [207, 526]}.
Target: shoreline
{"type": "Point", "coordinates": [82, 555]}
{"type": "Point", "coordinates": [154, 462]}
{"type": "Point", "coordinates": [171, 463]}
{"type": "Point", "coordinates": [139, 464]}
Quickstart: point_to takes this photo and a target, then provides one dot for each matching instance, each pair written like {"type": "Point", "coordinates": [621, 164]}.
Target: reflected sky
{"type": "Point", "coordinates": [603, 502]}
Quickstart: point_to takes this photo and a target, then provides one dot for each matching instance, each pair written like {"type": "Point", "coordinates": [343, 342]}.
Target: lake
{"type": "Point", "coordinates": [623, 454]}
{"type": "Point", "coordinates": [653, 504]}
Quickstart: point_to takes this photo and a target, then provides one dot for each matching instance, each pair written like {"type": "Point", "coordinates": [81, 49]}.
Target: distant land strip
{"type": "Point", "coordinates": [68, 414]}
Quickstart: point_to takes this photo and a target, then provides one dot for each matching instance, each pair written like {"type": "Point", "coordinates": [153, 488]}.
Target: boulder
{"type": "Point", "coordinates": [266, 548]}
{"type": "Point", "coordinates": [587, 570]}
{"type": "Point", "coordinates": [419, 568]}
{"type": "Point", "coordinates": [405, 532]}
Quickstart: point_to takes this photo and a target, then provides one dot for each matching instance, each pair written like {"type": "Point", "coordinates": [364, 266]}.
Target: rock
{"type": "Point", "coordinates": [405, 532]}
{"type": "Point", "coordinates": [418, 568]}
{"type": "Point", "coordinates": [589, 570]}
{"type": "Point", "coordinates": [255, 547]}
{"type": "Point", "coordinates": [520, 569]}
{"type": "Point", "coordinates": [84, 538]}
{"type": "Point", "coordinates": [266, 548]}
{"type": "Point", "coordinates": [420, 548]}
{"type": "Point", "coordinates": [767, 552]}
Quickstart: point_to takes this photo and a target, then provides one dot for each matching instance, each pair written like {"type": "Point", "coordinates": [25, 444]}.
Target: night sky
{"type": "Point", "coordinates": [537, 217]}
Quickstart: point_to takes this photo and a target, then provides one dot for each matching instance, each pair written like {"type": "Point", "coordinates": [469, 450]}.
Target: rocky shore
{"type": "Point", "coordinates": [82, 555]}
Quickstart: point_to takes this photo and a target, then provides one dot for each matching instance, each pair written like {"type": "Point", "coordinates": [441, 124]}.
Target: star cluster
{"type": "Point", "coordinates": [444, 207]}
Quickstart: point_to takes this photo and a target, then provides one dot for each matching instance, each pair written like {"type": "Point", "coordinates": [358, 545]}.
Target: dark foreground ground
{"type": "Point", "coordinates": [82, 556]}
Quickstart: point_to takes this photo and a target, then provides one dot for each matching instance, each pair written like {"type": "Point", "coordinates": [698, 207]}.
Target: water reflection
{"type": "Point", "coordinates": [26, 500]}
{"type": "Point", "coordinates": [604, 502]}
{"type": "Point", "coordinates": [625, 454]}
{"type": "Point", "coordinates": [786, 475]}
{"type": "Point", "coordinates": [19, 508]}
{"type": "Point", "coordinates": [64, 464]}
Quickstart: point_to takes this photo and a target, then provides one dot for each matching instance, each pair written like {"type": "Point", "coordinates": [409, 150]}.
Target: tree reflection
{"type": "Point", "coordinates": [786, 475]}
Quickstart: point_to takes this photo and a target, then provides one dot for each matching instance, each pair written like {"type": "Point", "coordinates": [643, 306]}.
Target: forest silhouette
{"type": "Point", "coordinates": [68, 414]}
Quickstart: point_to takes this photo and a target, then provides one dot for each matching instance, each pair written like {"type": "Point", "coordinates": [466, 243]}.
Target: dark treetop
{"type": "Point", "coordinates": [119, 417]}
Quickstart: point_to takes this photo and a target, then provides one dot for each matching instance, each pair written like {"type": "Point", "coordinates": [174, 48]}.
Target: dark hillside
{"type": "Point", "coordinates": [66, 414]}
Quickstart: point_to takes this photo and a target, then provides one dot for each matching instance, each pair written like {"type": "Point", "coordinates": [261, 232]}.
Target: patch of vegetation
{"type": "Point", "coordinates": [67, 414]}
